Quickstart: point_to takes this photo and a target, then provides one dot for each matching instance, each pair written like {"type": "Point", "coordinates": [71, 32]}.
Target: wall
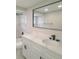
{"type": "Point", "coordinates": [28, 27]}
{"type": "Point", "coordinates": [21, 23]}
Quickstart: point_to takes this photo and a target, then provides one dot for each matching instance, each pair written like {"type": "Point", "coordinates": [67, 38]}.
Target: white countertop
{"type": "Point", "coordinates": [36, 37]}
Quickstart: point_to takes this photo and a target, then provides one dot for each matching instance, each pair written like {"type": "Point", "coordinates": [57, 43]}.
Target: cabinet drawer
{"type": "Point", "coordinates": [36, 46]}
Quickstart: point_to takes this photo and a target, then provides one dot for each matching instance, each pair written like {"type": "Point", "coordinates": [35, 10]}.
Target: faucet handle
{"type": "Point", "coordinates": [57, 40]}
{"type": "Point", "coordinates": [50, 38]}
{"type": "Point", "coordinates": [53, 36]}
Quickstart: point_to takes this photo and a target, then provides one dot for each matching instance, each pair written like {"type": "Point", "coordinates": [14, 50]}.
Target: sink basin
{"type": "Point", "coordinates": [50, 42]}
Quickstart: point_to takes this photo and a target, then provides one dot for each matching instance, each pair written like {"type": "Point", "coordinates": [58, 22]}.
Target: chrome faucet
{"type": "Point", "coordinates": [53, 37]}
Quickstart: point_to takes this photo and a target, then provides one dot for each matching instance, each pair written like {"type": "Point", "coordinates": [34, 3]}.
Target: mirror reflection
{"type": "Point", "coordinates": [49, 16]}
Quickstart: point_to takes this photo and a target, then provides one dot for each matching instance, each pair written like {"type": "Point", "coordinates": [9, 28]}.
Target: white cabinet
{"type": "Point", "coordinates": [32, 50]}
{"type": "Point", "coordinates": [35, 53]}
{"type": "Point", "coordinates": [26, 48]}
{"type": "Point", "coordinates": [48, 54]}
{"type": "Point", "coordinates": [29, 51]}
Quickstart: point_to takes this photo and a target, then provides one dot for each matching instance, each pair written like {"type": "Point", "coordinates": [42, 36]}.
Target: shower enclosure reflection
{"type": "Point", "coordinates": [49, 16]}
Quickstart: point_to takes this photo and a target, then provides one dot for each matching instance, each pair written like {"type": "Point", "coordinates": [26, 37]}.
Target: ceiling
{"type": "Point", "coordinates": [50, 8]}
{"type": "Point", "coordinates": [31, 3]}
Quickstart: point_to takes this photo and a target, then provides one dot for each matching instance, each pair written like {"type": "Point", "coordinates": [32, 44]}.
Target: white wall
{"type": "Point", "coordinates": [21, 23]}
{"type": "Point", "coordinates": [28, 27]}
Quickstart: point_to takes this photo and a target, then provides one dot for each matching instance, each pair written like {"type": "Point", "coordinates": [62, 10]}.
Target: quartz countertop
{"type": "Point", "coordinates": [36, 37]}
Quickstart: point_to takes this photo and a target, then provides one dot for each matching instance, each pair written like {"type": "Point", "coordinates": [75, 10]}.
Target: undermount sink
{"type": "Point", "coordinates": [49, 42]}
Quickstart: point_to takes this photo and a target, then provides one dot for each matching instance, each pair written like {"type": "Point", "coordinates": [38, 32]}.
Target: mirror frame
{"type": "Point", "coordinates": [39, 8]}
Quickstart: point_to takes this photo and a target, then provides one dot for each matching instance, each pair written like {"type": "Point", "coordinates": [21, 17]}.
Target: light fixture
{"type": "Point", "coordinates": [45, 9]}
{"type": "Point", "coordinates": [59, 6]}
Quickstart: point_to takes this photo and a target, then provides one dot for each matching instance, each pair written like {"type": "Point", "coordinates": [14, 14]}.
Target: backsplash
{"type": "Point", "coordinates": [47, 32]}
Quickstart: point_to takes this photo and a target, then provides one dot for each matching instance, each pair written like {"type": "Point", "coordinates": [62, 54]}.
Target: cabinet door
{"type": "Point", "coordinates": [47, 54]}
{"type": "Point", "coordinates": [35, 56]}
{"type": "Point", "coordinates": [35, 53]}
{"type": "Point", "coordinates": [26, 48]}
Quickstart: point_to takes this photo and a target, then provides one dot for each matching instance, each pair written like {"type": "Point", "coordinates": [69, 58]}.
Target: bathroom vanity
{"type": "Point", "coordinates": [40, 23]}
{"type": "Point", "coordinates": [35, 48]}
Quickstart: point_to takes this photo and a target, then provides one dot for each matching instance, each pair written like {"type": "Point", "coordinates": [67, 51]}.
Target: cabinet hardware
{"type": "Point", "coordinates": [41, 57]}
{"type": "Point", "coordinates": [25, 46]}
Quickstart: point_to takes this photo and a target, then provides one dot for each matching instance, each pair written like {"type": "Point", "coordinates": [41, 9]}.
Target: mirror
{"type": "Point", "coordinates": [48, 16]}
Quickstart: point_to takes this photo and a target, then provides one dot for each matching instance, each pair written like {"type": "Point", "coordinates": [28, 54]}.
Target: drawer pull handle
{"type": "Point", "coordinates": [25, 46]}
{"type": "Point", "coordinates": [41, 57]}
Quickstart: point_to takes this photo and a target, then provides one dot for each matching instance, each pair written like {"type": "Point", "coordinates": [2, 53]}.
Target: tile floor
{"type": "Point", "coordinates": [19, 54]}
